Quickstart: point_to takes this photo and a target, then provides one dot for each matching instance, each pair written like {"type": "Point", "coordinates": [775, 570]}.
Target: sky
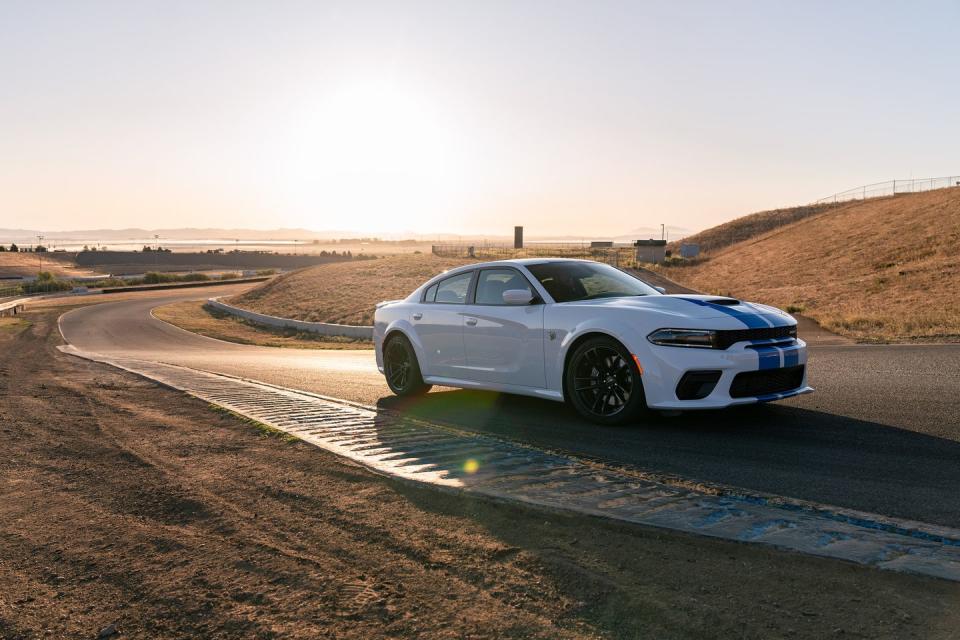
{"type": "Point", "coordinates": [571, 118]}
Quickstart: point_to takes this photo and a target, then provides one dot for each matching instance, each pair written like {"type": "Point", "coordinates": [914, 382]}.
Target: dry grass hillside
{"type": "Point", "coordinates": [724, 235]}
{"type": "Point", "coordinates": [344, 292]}
{"type": "Point", "coordinates": [880, 269]}
{"type": "Point", "coordinates": [28, 264]}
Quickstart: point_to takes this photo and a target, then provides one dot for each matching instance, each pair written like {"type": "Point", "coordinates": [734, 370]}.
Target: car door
{"type": "Point", "coordinates": [438, 321]}
{"type": "Point", "coordinates": [503, 343]}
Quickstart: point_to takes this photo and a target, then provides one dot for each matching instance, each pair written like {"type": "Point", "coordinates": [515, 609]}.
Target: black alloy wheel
{"type": "Point", "coordinates": [401, 368]}
{"type": "Point", "coordinates": [603, 382]}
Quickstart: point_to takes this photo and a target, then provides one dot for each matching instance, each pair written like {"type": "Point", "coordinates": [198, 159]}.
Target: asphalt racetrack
{"type": "Point", "coordinates": [881, 434]}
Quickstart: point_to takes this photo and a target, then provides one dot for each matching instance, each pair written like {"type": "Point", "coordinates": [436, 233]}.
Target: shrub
{"type": "Point", "coordinates": [229, 275]}
{"type": "Point", "coordinates": [46, 286]}
{"type": "Point", "coordinates": [155, 277]}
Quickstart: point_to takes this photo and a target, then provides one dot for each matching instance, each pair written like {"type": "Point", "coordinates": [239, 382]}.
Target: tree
{"type": "Point", "coordinates": [2, 248]}
{"type": "Point", "coordinates": [14, 248]}
{"type": "Point", "coordinates": [40, 248]}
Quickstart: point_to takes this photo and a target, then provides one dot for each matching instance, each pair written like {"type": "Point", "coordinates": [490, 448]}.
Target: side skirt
{"type": "Point", "coordinates": [547, 394]}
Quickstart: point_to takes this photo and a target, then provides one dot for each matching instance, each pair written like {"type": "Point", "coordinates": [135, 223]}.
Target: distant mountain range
{"type": "Point", "coordinates": [133, 233]}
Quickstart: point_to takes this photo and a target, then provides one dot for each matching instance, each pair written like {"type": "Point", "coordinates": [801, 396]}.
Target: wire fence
{"type": "Point", "coordinates": [892, 188]}
{"type": "Point", "coordinates": [617, 256]}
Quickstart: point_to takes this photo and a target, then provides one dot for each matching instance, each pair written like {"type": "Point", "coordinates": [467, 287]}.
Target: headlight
{"type": "Point", "coordinates": [684, 338]}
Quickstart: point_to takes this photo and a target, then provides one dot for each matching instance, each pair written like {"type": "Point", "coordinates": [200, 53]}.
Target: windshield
{"type": "Point", "coordinates": [571, 281]}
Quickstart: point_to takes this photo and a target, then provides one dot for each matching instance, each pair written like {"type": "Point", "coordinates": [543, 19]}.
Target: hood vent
{"type": "Point", "coordinates": [727, 302]}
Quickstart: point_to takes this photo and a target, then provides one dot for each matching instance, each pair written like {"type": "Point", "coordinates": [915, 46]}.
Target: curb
{"type": "Point", "coordinates": [321, 328]}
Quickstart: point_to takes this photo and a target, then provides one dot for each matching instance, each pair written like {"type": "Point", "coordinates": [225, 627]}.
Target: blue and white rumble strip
{"type": "Point", "coordinates": [446, 457]}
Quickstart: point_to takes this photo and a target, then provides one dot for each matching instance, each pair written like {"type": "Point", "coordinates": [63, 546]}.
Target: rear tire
{"type": "Point", "coordinates": [603, 383]}
{"type": "Point", "coordinates": [401, 369]}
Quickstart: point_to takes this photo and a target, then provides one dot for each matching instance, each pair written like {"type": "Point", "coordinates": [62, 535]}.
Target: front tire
{"type": "Point", "coordinates": [401, 369]}
{"type": "Point", "coordinates": [603, 384]}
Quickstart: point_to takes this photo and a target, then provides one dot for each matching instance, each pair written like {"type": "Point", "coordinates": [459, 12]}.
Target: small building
{"type": "Point", "coordinates": [653, 251]}
{"type": "Point", "coordinates": [689, 250]}
{"type": "Point", "coordinates": [601, 244]}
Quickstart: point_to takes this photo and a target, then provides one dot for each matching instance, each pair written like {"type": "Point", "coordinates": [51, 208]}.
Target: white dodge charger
{"type": "Point", "coordinates": [590, 334]}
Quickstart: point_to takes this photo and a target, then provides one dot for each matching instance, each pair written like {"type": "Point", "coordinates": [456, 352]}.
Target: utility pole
{"type": "Point", "coordinates": [663, 231]}
{"type": "Point", "coordinates": [40, 253]}
{"type": "Point", "coordinates": [156, 251]}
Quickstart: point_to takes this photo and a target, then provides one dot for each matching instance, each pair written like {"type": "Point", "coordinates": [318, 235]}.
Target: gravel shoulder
{"type": "Point", "coordinates": [126, 504]}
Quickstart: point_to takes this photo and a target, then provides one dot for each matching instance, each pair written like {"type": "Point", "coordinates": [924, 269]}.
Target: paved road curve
{"type": "Point", "coordinates": [882, 433]}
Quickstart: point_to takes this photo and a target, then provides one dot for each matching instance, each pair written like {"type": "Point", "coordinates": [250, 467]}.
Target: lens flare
{"type": "Point", "coordinates": [471, 466]}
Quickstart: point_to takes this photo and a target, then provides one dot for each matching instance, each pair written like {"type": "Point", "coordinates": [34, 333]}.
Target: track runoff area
{"type": "Point", "coordinates": [452, 460]}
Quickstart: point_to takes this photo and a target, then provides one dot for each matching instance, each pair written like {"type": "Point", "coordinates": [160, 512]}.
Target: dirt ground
{"type": "Point", "coordinates": [28, 264]}
{"type": "Point", "coordinates": [128, 507]}
{"type": "Point", "coordinates": [194, 316]}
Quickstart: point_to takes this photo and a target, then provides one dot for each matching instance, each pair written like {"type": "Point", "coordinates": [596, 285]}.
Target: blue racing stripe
{"type": "Point", "coordinates": [791, 356]}
{"type": "Point", "coordinates": [769, 357]}
{"type": "Point", "coordinates": [775, 319]}
{"type": "Point", "coordinates": [750, 320]}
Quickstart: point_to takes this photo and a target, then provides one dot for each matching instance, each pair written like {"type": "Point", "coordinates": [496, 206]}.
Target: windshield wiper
{"type": "Point", "coordinates": [611, 294]}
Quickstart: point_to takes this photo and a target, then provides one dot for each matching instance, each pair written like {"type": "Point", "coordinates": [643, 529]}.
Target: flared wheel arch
{"type": "Point", "coordinates": [573, 347]}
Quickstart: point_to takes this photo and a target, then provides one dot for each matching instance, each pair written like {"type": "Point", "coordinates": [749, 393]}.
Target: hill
{"type": "Point", "coordinates": [879, 269]}
{"type": "Point", "coordinates": [728, 233]}
{"type": "Point", "coordinates": [60, 265]}
{"type": "Point", "coordinates": [344, 292]}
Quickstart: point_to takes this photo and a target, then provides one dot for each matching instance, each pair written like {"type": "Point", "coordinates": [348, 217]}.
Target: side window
{"type": "Point", "coordinates": [454, 290]}
{"type": "Point", "coordinates": [493, 282]}
{"type": "Point", "coordinates": [431, 293]}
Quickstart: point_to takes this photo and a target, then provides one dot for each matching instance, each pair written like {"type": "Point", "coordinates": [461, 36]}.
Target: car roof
{"type": "Point", "coordinates": [523, 261]}
{"type": "Point", "coordinates": [499, 263]}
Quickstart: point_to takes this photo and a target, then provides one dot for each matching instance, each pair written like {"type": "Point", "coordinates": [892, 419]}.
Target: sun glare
{"type": "Point", "coordinates": [370, 155]}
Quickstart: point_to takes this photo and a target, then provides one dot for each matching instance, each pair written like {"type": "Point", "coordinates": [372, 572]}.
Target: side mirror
{"type": "Point", "coordinates": [517, 296]}
{"type": "Point", "coordinates": [660, 289]}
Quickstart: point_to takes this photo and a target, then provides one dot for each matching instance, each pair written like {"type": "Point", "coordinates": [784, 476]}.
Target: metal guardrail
{"type": "Point", "coordinates": [183, 285]}
{"type": "Point", "coordinates": [321, 328]}
{"type": "Point", "coordinates": [892, 188]}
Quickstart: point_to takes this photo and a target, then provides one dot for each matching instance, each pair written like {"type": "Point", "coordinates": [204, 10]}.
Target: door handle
{"type": "Point", "coordinates": [471, 322]}
{"type": "Point", "coordinates": [417, 316]}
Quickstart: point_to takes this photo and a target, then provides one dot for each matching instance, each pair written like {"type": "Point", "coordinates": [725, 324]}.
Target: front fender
{"type": "Point", "coordinates": [605, 324]}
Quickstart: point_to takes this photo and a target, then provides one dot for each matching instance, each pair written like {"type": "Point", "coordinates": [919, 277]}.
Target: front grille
{"type": "Point", "coordinates": [758, 383]}
{"type": "Point", "coordinates": [727, 337]}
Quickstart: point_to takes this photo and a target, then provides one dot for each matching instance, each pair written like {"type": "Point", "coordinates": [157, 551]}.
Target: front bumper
{"type": "Point", "coordinates": [663, 367]}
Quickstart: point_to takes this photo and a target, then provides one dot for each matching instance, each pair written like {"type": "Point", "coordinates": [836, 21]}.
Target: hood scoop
{"type": "Point", "coordinates": [727, 302]}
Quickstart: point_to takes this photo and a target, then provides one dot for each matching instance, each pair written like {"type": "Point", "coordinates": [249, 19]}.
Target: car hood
{"type": "Point", "coordinates": [698, 307]}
